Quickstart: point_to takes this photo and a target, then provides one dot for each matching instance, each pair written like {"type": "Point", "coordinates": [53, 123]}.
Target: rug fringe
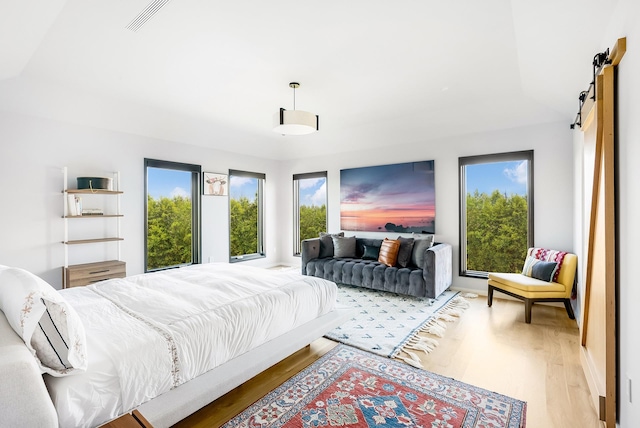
{"type": "Point", "coordinates": [425, 344]}
{"type": "Point", "coordinates": [447, 317]}
{"type": "Point", "coordinates": [436, 327]}
{"type": "Point", "coordinates": [411, 361]}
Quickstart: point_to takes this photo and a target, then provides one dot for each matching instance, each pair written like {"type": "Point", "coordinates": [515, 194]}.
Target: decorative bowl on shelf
{"type": "Point", "coordinates": [95, 183]}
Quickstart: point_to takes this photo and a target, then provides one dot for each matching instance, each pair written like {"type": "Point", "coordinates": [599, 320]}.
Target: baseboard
{"type": "Point", "coordinates": [592, 382]}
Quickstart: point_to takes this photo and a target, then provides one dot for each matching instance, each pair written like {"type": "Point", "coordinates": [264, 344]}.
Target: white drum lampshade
{"type": "Point", "coordinates": [295, 122]}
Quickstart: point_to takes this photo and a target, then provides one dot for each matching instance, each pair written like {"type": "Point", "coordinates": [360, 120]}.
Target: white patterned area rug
{"type": "Point", "coordinates": [389, 324]}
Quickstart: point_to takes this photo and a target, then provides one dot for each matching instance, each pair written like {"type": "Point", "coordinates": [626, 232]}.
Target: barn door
{"type": "Point", "coordinates": [598, 324]}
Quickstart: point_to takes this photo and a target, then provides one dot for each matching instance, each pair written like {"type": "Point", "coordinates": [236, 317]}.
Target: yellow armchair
{"type": "Point", "coordinates": [530, 289]}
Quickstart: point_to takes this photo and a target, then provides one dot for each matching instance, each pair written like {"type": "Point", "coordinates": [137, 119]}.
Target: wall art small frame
{"type": "Point", "coordinates": [215, 184]}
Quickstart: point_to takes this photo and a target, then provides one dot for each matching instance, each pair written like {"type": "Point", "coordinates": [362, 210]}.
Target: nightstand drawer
{"type": "Point", "coordinates": [84, 274]}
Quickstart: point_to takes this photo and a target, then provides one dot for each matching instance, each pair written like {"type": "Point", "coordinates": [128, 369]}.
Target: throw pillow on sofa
{"type": "Point", "coordinates": [404, 253]}
{"type": "Point", "coordinates": [326, 244]}
{"type": "Point", "coordinates": [344, 246]}
{"type": "Point", "coordinates": [389, 252]}
{"type": "Point", "coordinates": [371, 252]}
{"type": "Point", "coordinates": [420, 245]}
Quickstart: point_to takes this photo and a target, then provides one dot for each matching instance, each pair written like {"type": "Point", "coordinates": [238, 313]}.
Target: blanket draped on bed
{"type": "Point", "coordinates": [149, 333]}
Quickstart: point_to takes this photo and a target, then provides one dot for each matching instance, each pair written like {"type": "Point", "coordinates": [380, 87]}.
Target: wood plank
{"type": "Point", "coordinates": [234, 402]}
{"type": "Point", "coordinates": [91, 241]}
{"type": "Point", "coordinates": [618, 51]}
{"type": "Point", "coordinates": [141, 419]}
{"type": "Point", "coordinates": [609, 243]}
{"type": "Point", "coordinates": [598, 327]}
{"type": "Point", "coordinates": [594, 208]}
{"type": "Point", "coordinates": [92, 192]}
{"type": "Point", "coordinates": [587, 111]}
{"type": "Point", "coordinates": [491, 348]}
{"type": "Point", "coordinates": [594, 347]}
{"type": "Point", "coordinates": [124, 421]}
{"type": "Point", "coordinates": [87, 273]}
{"type": "Point", "coordinates": [93, 216]}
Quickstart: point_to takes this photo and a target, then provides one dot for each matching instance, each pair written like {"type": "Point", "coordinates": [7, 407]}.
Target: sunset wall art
{"type": "Point", "coordinates": [388, 198]}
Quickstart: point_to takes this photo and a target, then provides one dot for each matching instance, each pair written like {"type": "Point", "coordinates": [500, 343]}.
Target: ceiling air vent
{"type": "Point", "coordinates": [148, 13]}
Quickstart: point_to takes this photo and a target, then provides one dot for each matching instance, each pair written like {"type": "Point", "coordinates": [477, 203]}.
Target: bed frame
{"type": "Point", "coordinates": [24, 400]}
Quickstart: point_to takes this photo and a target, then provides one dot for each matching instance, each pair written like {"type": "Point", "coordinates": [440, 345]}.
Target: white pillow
{"type": "Point", "coordinates": [48, 325]}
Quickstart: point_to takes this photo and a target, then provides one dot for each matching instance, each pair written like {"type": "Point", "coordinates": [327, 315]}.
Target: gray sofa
{"type": "Point", "coordinates": [429, 279]}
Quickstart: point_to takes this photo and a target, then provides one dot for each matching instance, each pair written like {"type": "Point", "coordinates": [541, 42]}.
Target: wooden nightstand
{"type": "Point", "coordinates": [130, 420]}
{"type": "Point", "coordinates": [88, 273]}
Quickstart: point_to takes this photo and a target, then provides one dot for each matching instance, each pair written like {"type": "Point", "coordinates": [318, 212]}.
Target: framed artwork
{"type": "Point", "coordinates": [389, 198]}
{"type": "Point", "coordinates": [215, 184]}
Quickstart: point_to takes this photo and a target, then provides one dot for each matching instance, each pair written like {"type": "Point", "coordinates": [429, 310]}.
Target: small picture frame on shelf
{"type": "Point", "coordinates": [215, 184]}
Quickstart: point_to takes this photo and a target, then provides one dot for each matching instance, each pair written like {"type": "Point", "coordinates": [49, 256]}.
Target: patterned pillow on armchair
{"type": "Point", "coordinates": [546, 255]}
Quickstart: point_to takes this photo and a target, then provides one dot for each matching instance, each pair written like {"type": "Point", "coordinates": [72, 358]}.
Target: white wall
{"type": "Point", "coordinates": [33, 152]}
{"type": "Point", "coordinates": [553, 181]}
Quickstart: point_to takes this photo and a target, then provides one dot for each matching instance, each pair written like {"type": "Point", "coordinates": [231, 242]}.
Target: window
{"type": "Point", "coordinates": [309, 207]}
{"type": "Point", "coordinates": [496, 212]}
{"type": "Point", "coordinates": [172, 214]}
{"type": "Point", "coordinates": [246, 215]}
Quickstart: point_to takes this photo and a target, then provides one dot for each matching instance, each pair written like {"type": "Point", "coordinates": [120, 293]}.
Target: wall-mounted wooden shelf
{"type": "Point", "coordinates": [92, 192]}
{"type": "Point", "coordinates": [93, 216]}
{"type": "Point", "coordinates": [91, 241]}
{"type": "Point", "coordinates": [103, 197]}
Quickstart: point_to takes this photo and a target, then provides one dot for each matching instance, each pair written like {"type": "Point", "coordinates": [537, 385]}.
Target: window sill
{"type": "Point", "coordinates": [475, 274]}
{"type": "Point", "coordinates": [246, 257]}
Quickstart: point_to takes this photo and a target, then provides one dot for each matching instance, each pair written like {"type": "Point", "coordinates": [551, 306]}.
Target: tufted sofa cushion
{"type": "Point", "coordinates": [428, 280]}
{"type": "Point", "coordinates": [369, 274]}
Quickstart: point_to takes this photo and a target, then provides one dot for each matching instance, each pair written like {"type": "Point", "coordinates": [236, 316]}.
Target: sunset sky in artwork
{"type": "Point", "coordinates": [402, 194]}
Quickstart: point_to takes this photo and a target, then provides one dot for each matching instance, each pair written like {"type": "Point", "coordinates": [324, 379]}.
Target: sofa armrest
{"type": "Point", "coordinates": [438, 269]}
{"type": "Point", "coordinates": [24, 400]}
{"type": "Point", "coordinates": [310, 251]}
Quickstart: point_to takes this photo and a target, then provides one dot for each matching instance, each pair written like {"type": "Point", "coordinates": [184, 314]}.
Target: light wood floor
{"type": "Point", "coordinates": [491, 348]}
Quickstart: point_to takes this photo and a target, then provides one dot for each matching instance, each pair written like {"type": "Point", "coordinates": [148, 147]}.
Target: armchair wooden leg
{"type": "Point", "coordinates": [528, 303]}
{"type": "Point", "coordinates": [490, 296]}
{"type": "Point", "coordinates": [567, 306]}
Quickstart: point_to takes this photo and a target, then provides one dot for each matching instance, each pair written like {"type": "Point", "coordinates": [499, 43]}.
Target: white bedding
{"type": "Point", "coordinates": [147, 334]}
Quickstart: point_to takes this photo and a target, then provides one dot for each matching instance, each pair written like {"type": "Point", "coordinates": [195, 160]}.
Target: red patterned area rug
{"type": "Point", "coordinates": [353, 388]}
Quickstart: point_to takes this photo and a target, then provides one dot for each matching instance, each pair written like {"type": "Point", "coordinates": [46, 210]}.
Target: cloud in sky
{"type": "Point", "coordinates": [308, 183]}
{"type": "Point", "coordinates": [313, 191]}
{"type": "Point", "coordinates": [239, 181]}
{"type": "Point", "coordinates": [319, 197]}
{"type": "Point", "coordinates": [518, 173]}
{"type": "Point", "coordinates": [179, 191]}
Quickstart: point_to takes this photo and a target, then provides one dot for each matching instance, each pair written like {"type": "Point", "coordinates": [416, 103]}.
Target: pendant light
{"type": "Point", "coordinates": [295, 122]}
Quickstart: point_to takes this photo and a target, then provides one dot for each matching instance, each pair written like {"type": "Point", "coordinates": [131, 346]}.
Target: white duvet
{"type": "Point", "coordinates": [147, 334]}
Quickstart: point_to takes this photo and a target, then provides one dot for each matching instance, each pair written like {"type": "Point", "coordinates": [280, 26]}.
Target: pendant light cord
{"type": "Point", "coordinates": [294, 97]}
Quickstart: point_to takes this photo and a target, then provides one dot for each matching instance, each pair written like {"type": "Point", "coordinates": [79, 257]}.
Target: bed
{"type": "Point", "coordinates": [165, 343]}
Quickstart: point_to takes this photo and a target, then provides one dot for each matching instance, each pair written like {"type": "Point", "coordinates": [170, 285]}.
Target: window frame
{"type": "Point", "coordinates": [462, 192]}
{"type": "Point", "coordinates": [261, 253]}
{"type": "Point", "coordinates": [196, 218]}
{"type": "Point", "coordinates": [297, 246]}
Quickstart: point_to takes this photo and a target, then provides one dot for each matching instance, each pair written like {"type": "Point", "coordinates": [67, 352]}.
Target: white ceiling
{"type": "Point", "coordinates": [378, 73]}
